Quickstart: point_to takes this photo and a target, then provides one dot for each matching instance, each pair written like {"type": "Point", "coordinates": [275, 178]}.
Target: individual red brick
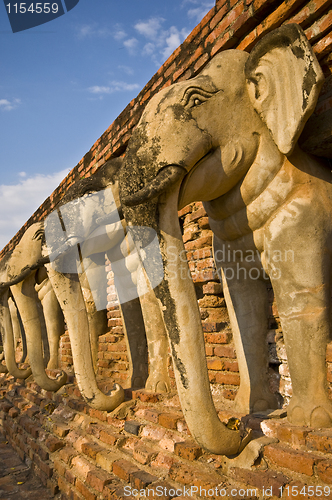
{"type": "Point", "coordinates": [184, 211]}
{"type": "Point", "coordinates": [229, 394]}
{"type": "Point", "coordinates": [324, 471]}
{"type": "Point", "coordinates": [61, 430]}
{"type": "Point", "coordinates": [53, 444]}
{"type": "Point", "coordinates": [86, 492]}
{"type": "Point", "coordinates": [184, 474]}
{"type": "Point", "coordinates": [159, 490]}
{"type": "Point", "coordinates": [142, 479]}
{"type": "Point", "coordinates": [227, 378]}
{"type": "Point", "coordinates": [98, 479]}
{"type": "Point", "coordinates": [67, 453]}
{"type": "Point", "coordinates": [201, 253]}
{"type": "Point", "coordinates": [260, 479]}
{"type": "Point", "coordinates": [91, 449]}
{"type": "Point", "coordinates": [101, 415]}
{"type": "Point", "coordinates": [217, 338]}
{"type": "Point", "coordinates": [218, 15]}
{"type": "Point", "coordinates": [59, 466]}
{"type": "Point", "coordinates": [215, 364]}
{"type": "Point", "coordinates": [153, 432]}
{"type": "Point", "coordinates": [70, 476]}
{"type": "Point", "coordinates": [205, 241]}
{"type": "Point", "coordinates": [143, 453]}
{"type": "Point", "coordinates": [168, 420]}
{"type": "Point", "coordinates": [320, 441]}
{"type": "Point", "coordinates": [213, 326]}
{"type": "Point", "coordinates": [187, 450]}
{"type": "Point", "coordinates": [81, 466]}
{"type": "Point", "coordinates": [45, 467]}
{"type": "Point", "coordinates": [163, 461]}
{"type": "Point", "coordinates": [329, 352]}
{"type": "Point", "coordinates": [146, 397]}
{"type": "Point", "coordinates": [111, 438]}
{"type": "Point", "coordinates": [64, 487]}
{"type": "Point", "coordinates": [209, 350]}
{"type": "Point", "coordinates": [123, 469]}
{"type": "Point", "coordinates": [206, 481]}
{"type": "Point", "coordinates": [296, 461]}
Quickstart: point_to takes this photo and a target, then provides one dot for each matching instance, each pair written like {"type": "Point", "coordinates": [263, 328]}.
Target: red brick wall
{"type": "Point", "coordinates": [230, 24]}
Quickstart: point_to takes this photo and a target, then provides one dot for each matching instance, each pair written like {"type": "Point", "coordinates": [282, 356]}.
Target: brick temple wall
{"type": "Point", "coordinates": [229, 24]}
{"type": "Point", "coordinates": [71, 450]}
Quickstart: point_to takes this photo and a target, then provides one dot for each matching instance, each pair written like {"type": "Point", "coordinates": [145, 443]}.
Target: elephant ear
{"type": "Point", "coordinates": [284, 79]}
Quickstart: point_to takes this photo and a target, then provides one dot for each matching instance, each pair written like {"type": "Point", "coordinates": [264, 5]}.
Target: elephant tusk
{"type": "Point", "coordinates": [110, 218]}
{"type": "Point", "coordinates": [165, 178]}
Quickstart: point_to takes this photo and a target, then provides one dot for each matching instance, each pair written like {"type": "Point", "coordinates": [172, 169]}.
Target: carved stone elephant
{"type": "Point", "coordinates": [41, 316]}
{"type": "Point", "coordinates": [86, 225]}
{"type": "Point", "coordinates": [228, 137]}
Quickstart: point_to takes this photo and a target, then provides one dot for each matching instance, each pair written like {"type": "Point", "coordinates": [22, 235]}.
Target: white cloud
{"type": "Point", "coordinates": [119, 33]}
{"type": "Point", "coordinates": [130, 45]}
{"type": "Point", "coordinates": [149, 28]}
{"type": "Point", "coordinates": [92, 30]}
{"type": "Point", "coordinates": [97, 89]}
{"type": "Point", "coordinates": [126, 69]}
{"type": "Point", "coordinates": [173, 40]}
{"type": "Point", "coordinates": [6, 105]}
{"type": "Point", "coordinates": [162, 42]}
{"type": "Point", "coordinates": [113, 86]}
{"type": "Point", "coordinates": [19, 201]}
{"type": "Point", "coordinates": [199, 12]}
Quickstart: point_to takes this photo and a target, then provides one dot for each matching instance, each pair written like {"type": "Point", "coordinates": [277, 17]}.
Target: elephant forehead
{"type": "Point", "coordinates": [226, 70]}
{"type": "Point", "coordinates": [173, 96]}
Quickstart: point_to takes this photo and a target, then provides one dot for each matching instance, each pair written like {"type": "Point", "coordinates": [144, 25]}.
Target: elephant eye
{"type": "Point", "coordinates": [195, 100]}
{"type": "Point", "coordinates": [195, 96]}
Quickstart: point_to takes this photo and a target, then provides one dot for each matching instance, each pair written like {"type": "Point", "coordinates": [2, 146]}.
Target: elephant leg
{"type": "Point", "coordinates": [27, 303]}
{"type": "Point", "coordinates": [131, 282]}
{"type": "Point", "coordinates": [53, 320]}
{"type": "Point", "coordinates": [69, 294]}
{"type": "Point", "coordinates": [9, 343]}
{"type": "Point", "coordinates": [303, 299]}
{"type": "Point", "coordinates": [17, 329]}
{"type": "Point", "coordinates": [157, 340]}
{"type": "Point", "coordinates": [247, 305]}
{"type": "Point", "coordinates": [94, 284]}
{"type": "Point", "coordinates": [136, 343]}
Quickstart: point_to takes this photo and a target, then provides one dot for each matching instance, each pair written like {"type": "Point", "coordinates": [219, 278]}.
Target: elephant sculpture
{"type": "Point", "coordinates": [65, 256]}
{"type": "Point", "coordinates": [228, 138]}
{"type": "Point", "coordinates": [87, 225]}
{"type": "Point", "coordinates": [41, 316]}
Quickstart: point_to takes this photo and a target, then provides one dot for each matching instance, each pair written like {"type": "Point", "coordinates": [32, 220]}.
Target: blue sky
{"type": "Point", "coordinates": [63, 83]}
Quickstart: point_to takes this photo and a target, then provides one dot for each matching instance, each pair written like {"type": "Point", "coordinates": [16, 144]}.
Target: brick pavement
{"type": "Point", "coordinates": [17, 480]}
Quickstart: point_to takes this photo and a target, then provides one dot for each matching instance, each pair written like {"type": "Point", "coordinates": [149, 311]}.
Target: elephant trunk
{"type": "Point", "coordinates": [165, 178]}
{"type": "Point", "coordinates": [26, 300]}
{"type": "Point", "coordinates": [69, 294]}
{"type": "Point", "coordinates": [9, 342]}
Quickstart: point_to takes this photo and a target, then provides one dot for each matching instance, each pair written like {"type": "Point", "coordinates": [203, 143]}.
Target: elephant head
{"type": "Point", "coordinates": [196, 141]}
